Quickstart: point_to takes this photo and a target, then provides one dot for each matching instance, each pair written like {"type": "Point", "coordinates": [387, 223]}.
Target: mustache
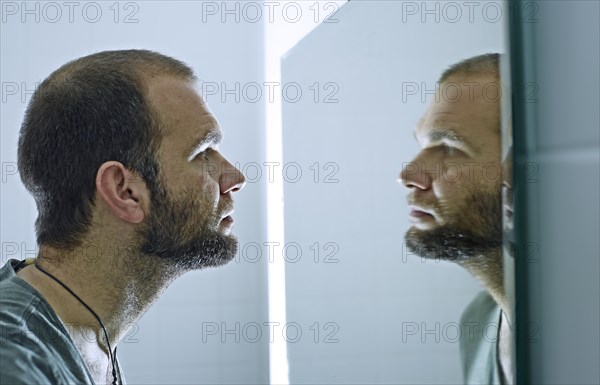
{"type": "Point", "coordinates": [424, 204]}
{"type": "Point", "coordinates": [225, 206]}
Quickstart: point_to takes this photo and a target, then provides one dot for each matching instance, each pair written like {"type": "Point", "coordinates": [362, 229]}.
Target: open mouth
{"type": "Point", "coordinates": [228, 220]}
{"type": "Point", "coordinates": [420, 214]}
{"type": "Point", "coordinates": [227, 213]}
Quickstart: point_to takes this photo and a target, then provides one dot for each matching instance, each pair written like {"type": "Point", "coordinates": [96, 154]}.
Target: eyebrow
{"type": "Point", "coordinates": [448, 134]}
{"type": "Point", "coordinates": [214, 136]}
{"type": "Point", "coordinates": [440, 134]}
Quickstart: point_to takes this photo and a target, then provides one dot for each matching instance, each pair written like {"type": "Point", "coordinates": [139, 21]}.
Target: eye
{"type": "Point", "coordinates": [449, 150]}
{"type": "Point", "coordinates": [204, 154]}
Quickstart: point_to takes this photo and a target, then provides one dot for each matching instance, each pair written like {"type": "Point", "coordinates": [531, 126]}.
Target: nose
{"type": "Point", "coordinates": [415, 175]}
{"type": "Point", "coordinates": [232, 179]}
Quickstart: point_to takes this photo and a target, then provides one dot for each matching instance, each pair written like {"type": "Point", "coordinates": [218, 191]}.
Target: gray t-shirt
{"type": "Point", "coordinates": [35, 347]}
{"type": "Point", "coordinates": [478, 344]}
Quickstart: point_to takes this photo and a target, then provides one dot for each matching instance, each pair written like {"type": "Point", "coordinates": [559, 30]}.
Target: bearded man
{"type": "Point", "coordinates": [121, 155]}
{"type": "Point", "coordinates": [455, 200]}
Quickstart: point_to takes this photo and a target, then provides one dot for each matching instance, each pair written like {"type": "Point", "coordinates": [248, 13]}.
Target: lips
{"type": "Point", "coordinates": [229, 213]}
{"type": "Point", "coordinates": [225, 215]}
{"type": "Point", "coordinates": [227, 219]}
{"type": "Point", "coordinates": [422, 204]}
{"type": "Point", "coordinates": [225, 208]}
{"type": "Point", "coordinates": [419, 214]}
{"type": "Point", "coordinates": [420, 211]}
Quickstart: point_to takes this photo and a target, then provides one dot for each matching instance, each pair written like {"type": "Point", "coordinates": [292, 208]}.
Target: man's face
{"type": "Point", "coordinates": [455, 179]}
{"type": "Point", "coordinates": [190, 218]}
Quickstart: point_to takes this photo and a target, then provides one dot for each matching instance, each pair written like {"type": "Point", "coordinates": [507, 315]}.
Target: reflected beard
{"type": "Point", "coordinates": [459, 241]}
{"type": "Point", "coordinates": [175, 234]}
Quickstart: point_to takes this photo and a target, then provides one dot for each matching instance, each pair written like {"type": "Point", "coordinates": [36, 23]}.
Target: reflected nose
{"type": "Point", "coordinates": [415, 175]}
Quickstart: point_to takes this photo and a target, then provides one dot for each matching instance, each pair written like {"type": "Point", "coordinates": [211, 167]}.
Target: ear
{"type": "Point", "coordinates": [124, 192]}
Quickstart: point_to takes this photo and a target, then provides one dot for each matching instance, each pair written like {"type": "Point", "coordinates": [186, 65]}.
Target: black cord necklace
{"type": "Point", "coordinates": [112, 357]}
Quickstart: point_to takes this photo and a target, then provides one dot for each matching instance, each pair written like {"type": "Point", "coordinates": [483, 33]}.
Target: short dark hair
{"type": "Point", "coordinates": [488, 63]}
{"type": "Point", "coordinates": [91, 110]}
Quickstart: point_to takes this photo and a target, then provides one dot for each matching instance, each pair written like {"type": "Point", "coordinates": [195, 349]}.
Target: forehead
{"type": "Point", "coordinates": [182, 111]}
{"type": "Point", "coordinates": [469, 108]}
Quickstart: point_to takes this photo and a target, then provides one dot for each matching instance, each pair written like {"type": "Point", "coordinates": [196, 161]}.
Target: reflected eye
{"type": "Point", "coordinates": [449, 150]}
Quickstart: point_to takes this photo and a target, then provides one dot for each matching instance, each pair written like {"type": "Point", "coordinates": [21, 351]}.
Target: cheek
{"type": "Point", "coordinates": [450, 179]}
{"type": "Point", "coordinates": [452, 173]}
{"type": "Point", "coordinates": [453, 189]}
{"type": "Point", "coordinates": [491, 173]}
{"type": "Point", "coordinates": [208, 186]}
{"type": "Point", "coordinates": [449, 195]}
{"type": "Point", "coordinates": [470, 173]}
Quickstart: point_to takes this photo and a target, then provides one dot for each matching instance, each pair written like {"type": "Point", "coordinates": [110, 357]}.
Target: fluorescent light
{"type": "Point", "coordinates": [280, 35]}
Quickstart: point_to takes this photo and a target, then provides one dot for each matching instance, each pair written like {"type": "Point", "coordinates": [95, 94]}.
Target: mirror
{"type": "Point", "coordinates": [376, 311]}
{"type": "Point", "coordinates": [361, 305]}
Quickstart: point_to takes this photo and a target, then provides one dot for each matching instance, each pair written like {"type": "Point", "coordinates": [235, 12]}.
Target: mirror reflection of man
{"type": "Point", "coordinates": [122, 157]}
{"type": "Point", "coordinates": [455, 205]}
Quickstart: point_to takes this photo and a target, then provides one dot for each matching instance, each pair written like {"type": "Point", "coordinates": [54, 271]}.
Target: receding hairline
{"type": "Point", "coordinates": [140, 65]}
{"type": "Point", "coordinates": [486, 64]}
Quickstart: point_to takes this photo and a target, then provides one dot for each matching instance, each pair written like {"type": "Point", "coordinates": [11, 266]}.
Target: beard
{"type": "Point", "coordinates": [474, 232]}
{"type": "Point", "coordinates": [179, 234]}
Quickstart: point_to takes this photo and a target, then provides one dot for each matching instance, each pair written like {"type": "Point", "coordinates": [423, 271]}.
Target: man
{"type": "Point", "coordinates": [455, 201]}
{"type": "Point", "coordinates": [121, 155]}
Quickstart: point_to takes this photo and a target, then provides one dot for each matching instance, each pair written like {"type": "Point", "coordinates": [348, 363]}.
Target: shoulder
{"type": "Point", "coordinates": [480, 309]}
{"type": "Point", "coordinates": [18, 300]}
{"type": "Point", "coordinates": [28, 330]}
{"type": "Point", "coordinates": [479, 326]}
{"type": "Point", "coordinates": [479, 320]}
{"type": "Point", "coordinates": [24, 337]}
{"type": "Point", "coordinates": [26, 365]}
{"type": "Point", "coordinates": [21, 306]}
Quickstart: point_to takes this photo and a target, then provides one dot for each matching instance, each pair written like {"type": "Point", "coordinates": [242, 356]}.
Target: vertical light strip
{"type": "Point", "coordinates": [282, 31]}
{"type": "Point", "coordinates": [278, 362]}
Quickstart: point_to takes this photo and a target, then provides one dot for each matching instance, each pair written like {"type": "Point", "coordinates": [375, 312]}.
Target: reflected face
{"type": "Point", "coordinates": [190, 219]}
{"type": "Point", "coordinates": [455, 179]}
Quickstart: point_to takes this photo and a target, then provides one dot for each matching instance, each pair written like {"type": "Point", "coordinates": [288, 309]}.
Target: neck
{"type": "Point", "coordinates": [118, 286]}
